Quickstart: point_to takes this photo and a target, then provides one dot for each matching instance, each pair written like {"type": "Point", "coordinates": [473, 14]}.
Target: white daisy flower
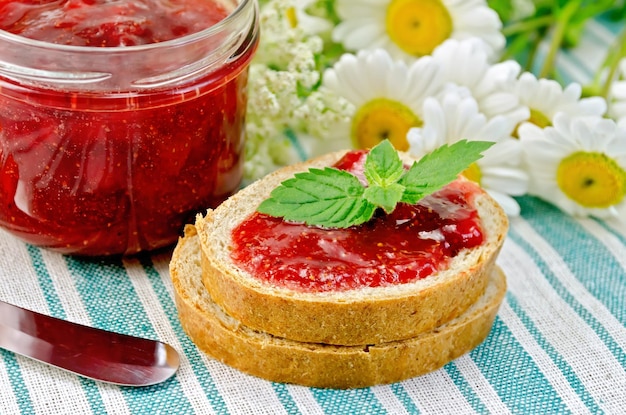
{"type": "Point", "coordinates": [387, 95]}
{"type": "Point", "coordinates": [546, 97]}
{"type": "Point", "coordinates": [299, 16]}
{"type": "Point", "coordinates": [578, 164]}
{"type": "Point", "coordinates": [466, 63]}
{"type": "Point", "coordinates": [455, 117]}
{"type": "Point", "coordinates": [617, 110]}
{"type": "Point", "coordinates": [413, 28]}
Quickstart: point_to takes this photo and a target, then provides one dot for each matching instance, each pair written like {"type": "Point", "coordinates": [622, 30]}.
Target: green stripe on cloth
{"type": "Point", "coordinates": [597, 358]}
{"type": "Point", "coordinates": [603, 277]}
{"type": "Point", "coordinates": [614, 25]}
{"type": "Point", "coordinates": [285, 398]}
{"type": "Point", "coordinates": [573, 68]}
{"type": "Point", "coordinates": [21, 392]}
{"type": "Point", "coordinates": [465, 388]}
{"type": "Point", "coordinates": [56, 310]}
{"type": "Point", "coordinates": [112, 303]}
{"type": "Point", "coordinates": [563, 366]}
{"type": "Point", "coordinates": [587, 317]}
{"type": "Point", "coordinates": [46, 284]}
{"type": "Point", "coordinates": [514, 375]}
{"type": "Point", "coordinates": [404, 398]}
{"type": "Point", "coordinates": [93, 396]}
{"type": "Point", "coordinates": [352, 401]}
{"type": "Point", "coordinates": [193, 354]}
{"type": "Point", "coordinates": [612, 231]}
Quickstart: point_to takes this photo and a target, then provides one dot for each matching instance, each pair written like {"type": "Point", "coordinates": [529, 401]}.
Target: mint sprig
{"type": "Point", "coordinates": [326, 197]}
{"type": "Point", "coordinates": [335, 198]}
{"type": "Point", "coordinates": [440, 167]}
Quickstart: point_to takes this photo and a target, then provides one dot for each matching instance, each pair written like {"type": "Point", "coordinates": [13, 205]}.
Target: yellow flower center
{"type": "Point", "coordinates": [292, 17]}
{"type": "Point", "coordinates": [591, 179]}
{"type": "Point", "coordinates": [382, 119]}
{"type": "Point", "coordinates": [473, 173]}
{"type": "Point", "coordinates": [536, 117]}
{"type": "Point", "coordinates": [539, 119]}
{"type": "Point", "coordinates": [418, 26]}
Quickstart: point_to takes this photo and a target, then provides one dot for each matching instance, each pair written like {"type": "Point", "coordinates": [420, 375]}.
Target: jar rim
{"type": "Point", "coordinates": [209, 31]}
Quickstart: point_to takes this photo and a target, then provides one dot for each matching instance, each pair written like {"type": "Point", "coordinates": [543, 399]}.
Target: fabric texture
{"type": "Point", "coordinates": [558, 345]}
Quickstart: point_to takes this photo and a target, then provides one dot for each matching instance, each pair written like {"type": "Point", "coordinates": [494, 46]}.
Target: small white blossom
{"type": "Point", "coordinates": [324, 116]}
{"type": "Point", "coordinates": [284, 66]}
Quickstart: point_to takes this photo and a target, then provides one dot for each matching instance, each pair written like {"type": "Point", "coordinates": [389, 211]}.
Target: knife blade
{"type": "Point", "coordinates": [87, 351]}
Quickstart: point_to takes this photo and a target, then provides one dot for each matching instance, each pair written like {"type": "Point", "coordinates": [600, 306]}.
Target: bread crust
{"type": "Point", "coordinates": [319, 365]}
{"type": "Point", "coordinates": [368, 316]}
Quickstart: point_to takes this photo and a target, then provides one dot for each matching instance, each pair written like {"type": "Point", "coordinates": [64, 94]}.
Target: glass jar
{"type": "Point", "coordinates": [111, 150]}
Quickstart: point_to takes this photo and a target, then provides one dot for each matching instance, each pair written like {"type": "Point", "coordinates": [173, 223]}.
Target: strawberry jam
{"type": "Point", "coordinates": [412, 242]}
{"type": "Point", "coordinates": [120, 119]}
{"type": "Point", "coordinates": [107, 23]}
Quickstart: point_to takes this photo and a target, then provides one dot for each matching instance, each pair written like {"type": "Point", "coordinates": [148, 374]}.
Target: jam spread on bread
{"type": "Point", "coordinates": [410, 243]}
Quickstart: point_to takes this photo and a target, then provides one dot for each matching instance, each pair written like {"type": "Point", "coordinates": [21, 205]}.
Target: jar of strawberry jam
{"type": "Point", "coordinates": [119, 119]}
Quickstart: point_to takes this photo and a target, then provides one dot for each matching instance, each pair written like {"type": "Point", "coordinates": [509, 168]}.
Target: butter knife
{"type": "Point", "coordinates": [93, 353]}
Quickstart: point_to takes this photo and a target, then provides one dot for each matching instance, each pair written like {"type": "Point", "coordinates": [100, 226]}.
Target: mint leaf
{"type": "Point", "coordinates": [334, 198]}
{"type": "Point", "coordinates": [386, 197]}
{"type": "Point", "coordinates": [383, 169]}
{"type": "Point", "coordinates": [383, 165]}
{"type": "Point", "coordinates": [326, 197]}
{"type": "Point", "coordinates": [437, 169]}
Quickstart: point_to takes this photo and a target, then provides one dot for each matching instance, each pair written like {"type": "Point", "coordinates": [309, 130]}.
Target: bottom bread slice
{"type": "Point", "coordinates": [319, 365]}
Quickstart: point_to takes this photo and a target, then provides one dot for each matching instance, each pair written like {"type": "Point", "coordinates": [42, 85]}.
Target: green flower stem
{"type": "Point", "coordinates": [615, 55]}
{"type": "Point", "coordinates": [516, 46]}
{"type": "Point", "coordinates": [528, 25]}
{"type": "Point", "coordinates": [558, 35]}
{"type": "Point", "coordinates": [532, 50]}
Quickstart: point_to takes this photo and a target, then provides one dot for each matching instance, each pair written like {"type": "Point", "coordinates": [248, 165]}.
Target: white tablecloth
{"type": "Point", "coordinates": [557, 346]}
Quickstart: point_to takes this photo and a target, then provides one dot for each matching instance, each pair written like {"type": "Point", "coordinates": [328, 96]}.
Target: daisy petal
{"type": "Point", "coordinates": [505, 179]}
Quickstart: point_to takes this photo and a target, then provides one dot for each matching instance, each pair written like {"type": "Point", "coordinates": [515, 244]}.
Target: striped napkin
{"type": "Point", "coordinates": [558, 345]}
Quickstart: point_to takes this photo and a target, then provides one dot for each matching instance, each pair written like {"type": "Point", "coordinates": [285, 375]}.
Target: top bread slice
{"type": "Point", "coordinates": [369, 315]}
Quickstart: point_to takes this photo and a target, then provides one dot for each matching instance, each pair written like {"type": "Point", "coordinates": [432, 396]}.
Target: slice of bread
{"type": "Point", "coordinates": [355, 317]}
{"type": "Point", "coordinates": [319, 365]}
